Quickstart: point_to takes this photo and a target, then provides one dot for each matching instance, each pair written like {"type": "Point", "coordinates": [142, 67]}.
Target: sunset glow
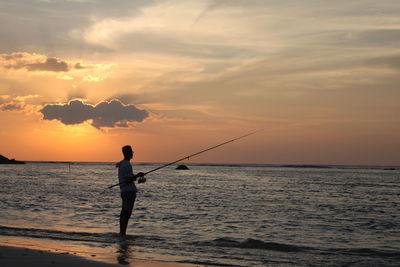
{"type": "Point", "coordinates": [80, 79]}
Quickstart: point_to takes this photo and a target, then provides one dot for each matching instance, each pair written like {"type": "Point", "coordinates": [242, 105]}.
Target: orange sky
{"type": "Point", "coordinates": [79, 80]}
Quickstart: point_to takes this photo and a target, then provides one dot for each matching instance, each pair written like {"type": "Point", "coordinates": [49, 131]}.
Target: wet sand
{"type": "Point", "coordinates": [22, 257]}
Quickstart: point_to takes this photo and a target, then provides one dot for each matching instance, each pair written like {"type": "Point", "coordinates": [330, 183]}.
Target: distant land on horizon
{"type": "Point", "coordinates": [5, 160]}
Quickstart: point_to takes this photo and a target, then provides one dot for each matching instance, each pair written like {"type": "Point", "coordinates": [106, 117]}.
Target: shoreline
{"type": "Point", "coordinates": [25, 251]}
{"type": "Point", "coordinates": [20, 257]}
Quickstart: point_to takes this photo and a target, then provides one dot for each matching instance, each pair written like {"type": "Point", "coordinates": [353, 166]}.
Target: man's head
{"type": "Point", "coordinates": [127, 151]}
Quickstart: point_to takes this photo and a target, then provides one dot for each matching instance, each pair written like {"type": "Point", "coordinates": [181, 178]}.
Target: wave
{"type": "Point", "coordinates": [55, 234]}
{"type": "Point", "coordinates": [376, 253]}
{"type": "Point", "coordinates": [259, 244]}
{"type": "Point", "coordinates": [208, 263]}
{"type": "Point", "coordinates": [107, 238]}
{"type": "Point", "coordinates": [251, 244]}
{"type": "Point", "coordinates": [154, 241]}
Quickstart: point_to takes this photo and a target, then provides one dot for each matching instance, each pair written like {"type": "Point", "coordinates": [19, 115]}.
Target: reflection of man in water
{"type": "Point", "coordinates": [127, 187]}
{"type": "Point", "coordinates": [123, 253]}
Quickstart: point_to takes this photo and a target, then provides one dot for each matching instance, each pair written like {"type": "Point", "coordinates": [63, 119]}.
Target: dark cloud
{"type": "Point", "coordinates": [21, 60]}
{"type": "Point", "coordinates": [73, 112]}
{"type": "Point", "coordinates": [107, 114]}
{"type": "Point", "coordinates": [15, 103]}
{"type": "Point", "coordinates": [38, 62]}
{"type": "Point", "coordinates": [13, 56]}
{"type": "Point", "coordinates": [51, 64]}
{"type": "Point", "coordinates": [12, 106]}
{"type": "Point", "coordinates": [104, 114]}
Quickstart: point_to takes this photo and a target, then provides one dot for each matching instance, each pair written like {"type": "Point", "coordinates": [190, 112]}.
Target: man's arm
{"type": "Point", "coordinates": [140, 175]}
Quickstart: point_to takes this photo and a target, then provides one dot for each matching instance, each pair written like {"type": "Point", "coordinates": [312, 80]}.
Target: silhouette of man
{"type": "Point", "coordinates": [127, 188]}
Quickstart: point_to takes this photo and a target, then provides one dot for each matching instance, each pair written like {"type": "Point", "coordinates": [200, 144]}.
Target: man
{"type": "Point", "coordinates": [127, 188]}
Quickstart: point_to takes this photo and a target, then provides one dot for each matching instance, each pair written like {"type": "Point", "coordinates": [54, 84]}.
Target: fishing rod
{"type": "Point", "coordinates": [195, 154]}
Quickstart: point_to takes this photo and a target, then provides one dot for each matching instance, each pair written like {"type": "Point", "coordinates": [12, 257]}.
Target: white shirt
{"type": "Point", "coordinates": [125, 171]}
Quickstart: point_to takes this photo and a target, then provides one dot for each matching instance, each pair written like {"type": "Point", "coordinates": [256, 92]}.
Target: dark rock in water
{"type": "Point", "coordinates": [182, 167]}
{"type": "Point", "coordinates": [4, 160]}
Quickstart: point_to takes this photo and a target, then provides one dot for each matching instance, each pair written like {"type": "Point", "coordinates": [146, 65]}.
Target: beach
{"type": "Point", "coordinates": [22, 257]}
{"type": "Point", "coordinates": [24, 251]}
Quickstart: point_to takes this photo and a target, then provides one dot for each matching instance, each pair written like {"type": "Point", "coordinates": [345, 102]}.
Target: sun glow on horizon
{"type": "Point", "coordinates": [172, 76]}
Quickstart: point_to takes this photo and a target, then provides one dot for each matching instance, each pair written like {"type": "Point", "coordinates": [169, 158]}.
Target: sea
{"type": "Point", "coordinates": [210, 215]}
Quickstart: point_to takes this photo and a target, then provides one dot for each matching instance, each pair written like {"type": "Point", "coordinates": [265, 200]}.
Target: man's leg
{"type": "Point", "coordinates": [128, 200]}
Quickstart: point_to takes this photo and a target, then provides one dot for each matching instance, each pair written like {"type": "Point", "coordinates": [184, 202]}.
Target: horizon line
{"type": "Point", "coordinates": [225, 163]}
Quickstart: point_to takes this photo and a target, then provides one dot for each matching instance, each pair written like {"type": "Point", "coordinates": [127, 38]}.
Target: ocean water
{"type": "Point", "coordinates": [219, 215]}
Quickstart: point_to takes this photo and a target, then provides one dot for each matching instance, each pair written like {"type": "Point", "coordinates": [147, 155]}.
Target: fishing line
{"type": "Point", "coordinates": [195, 154]}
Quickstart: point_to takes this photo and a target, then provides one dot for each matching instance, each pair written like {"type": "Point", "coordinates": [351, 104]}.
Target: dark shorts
{"type": "Point", "coordinates": [128, 200]}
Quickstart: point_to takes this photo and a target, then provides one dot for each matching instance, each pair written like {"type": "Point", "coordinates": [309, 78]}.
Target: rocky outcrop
{"type": "Point", "coordinates": [182, 167]}
{"type": "Point", "coordinates": [4, 160]}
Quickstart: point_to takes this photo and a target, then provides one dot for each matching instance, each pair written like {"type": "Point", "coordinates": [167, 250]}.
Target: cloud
{"type": "Point", "coordinates": [33, 62]}
{"type": "Point", "coordinates": [39, 62]}
{"type": "Point", "coordinates": [16, 103]}
{"type": "Point", "coordinates": [63, 69]}
{"type": "Point", "coordinates": [104, 114]}
{"type": "Point", "coordinates": [162, 28]}
{"type": "Point", "coordinates": [13, 56]}
{"type": "Point", "coordinates": [51, 64]}
{"type": "Point", "coordinates": [12, 106]}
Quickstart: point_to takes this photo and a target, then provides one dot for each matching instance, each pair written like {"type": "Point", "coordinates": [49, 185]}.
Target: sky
{"type": "Point", "coordinates": [81, 78]}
